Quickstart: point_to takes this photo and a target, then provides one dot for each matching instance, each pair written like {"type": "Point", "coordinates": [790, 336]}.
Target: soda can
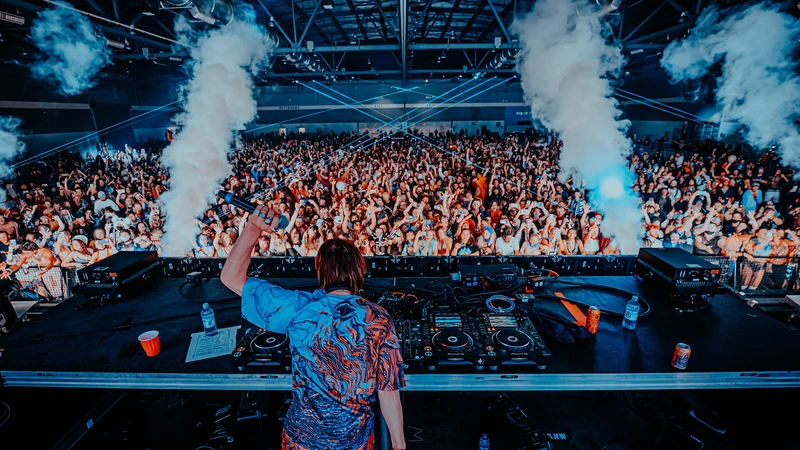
{"type": "Point", "coordinates": [593, 319]}
{"type": "Point", "coordinates": [680, 358]}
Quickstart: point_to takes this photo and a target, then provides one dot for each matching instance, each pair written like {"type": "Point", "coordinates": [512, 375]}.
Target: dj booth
{"type": "Point", "coordinates": [85, 344]}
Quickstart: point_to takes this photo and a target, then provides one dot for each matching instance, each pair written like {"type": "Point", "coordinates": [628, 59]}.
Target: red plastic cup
{"type": "Point", "coordinates": [150, 342]}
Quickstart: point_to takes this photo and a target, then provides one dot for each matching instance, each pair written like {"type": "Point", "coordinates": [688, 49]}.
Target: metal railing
{"type": "Point", "coordinates": [759, 276]}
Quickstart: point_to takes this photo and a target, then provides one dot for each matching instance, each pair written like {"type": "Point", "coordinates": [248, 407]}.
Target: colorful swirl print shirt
{"type": "Point", "coordinates": [344, 348]}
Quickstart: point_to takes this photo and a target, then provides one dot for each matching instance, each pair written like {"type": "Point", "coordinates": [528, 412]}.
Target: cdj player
{"type": "Point", "coordinates": [262, 348]}
{"type": "Point", "coordinates": [489, 340]}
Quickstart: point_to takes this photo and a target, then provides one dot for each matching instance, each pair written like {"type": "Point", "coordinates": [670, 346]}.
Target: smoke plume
{"type": "Point", "coordinates": [758, 87]}
{"type": "Point", "coordinates": [10, 148]}
{"type": "Point", "coordinates": [71, 51]}
{"type": "Point", "coordinates": [218, 101]}
{"type": "Point", "coordinates": [566, 66]}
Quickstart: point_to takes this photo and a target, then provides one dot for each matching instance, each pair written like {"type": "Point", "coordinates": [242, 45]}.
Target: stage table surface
{"type": "Point", "coordinates": [733, 346]}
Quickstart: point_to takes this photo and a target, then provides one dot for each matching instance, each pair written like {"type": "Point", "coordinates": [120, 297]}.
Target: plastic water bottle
{"type": "Point", "coordinates": [484, 444]}
{"type": "Point", "coordinates": [209, 322]}
{"type": "Point", "coordinates": [631, 313]}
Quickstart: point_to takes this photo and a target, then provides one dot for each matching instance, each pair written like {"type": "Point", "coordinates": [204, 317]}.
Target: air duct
{"type": "Point", "coordinates": [212, 12]}
{"type": "Point", "coordinates": [505, 57]}
{"type": "Point", "coordinates": [115, 44]}
{"type": "Point", "coordinates": [304, 61]}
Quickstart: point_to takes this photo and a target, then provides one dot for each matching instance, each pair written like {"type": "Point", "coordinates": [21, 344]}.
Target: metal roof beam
{"type": "Point", "coordinates": [340, 28]}
{"type": "Point", "coordinates": [310, 21]}
{"type": "Point", "coordinates": [642, 23]}
{"type": "Point", "coordinates": [657, 34]}
{"type": "Point", "coordinates": [425, 13]}
{"type": "Point", "coordinates": [314, 26]}
{"type": "Point", "coordinates": [358, 20]}
{"type": "Point", "coordinates": [492, 26]}
{"type": "Point", "coordinates": [456, 71]}
{"type": "Point", "coordinates": [163, 27]}
{"type": "Point", "coordinates": [449, 19]}
{"type": "Point", "coordinates": [472, 19]}
{"type": "Point", "coordinates": [386, 19]}
{"type": "Point", "coordinates": [404, 37]}
{"type": "Point", "coordinates": [275, 21]}
{"type": "Point", "coordinates": [324, 74]}
{"type": "Point", "coordinates": [499, 20]}
{"type": "Point", "coordinates": [97, 7]}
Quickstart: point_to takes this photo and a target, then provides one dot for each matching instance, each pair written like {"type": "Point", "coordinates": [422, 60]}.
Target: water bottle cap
{"type": "Point", "coordinates": [205, 305]}
{"type": "Point", "coordinates": [635, 298]}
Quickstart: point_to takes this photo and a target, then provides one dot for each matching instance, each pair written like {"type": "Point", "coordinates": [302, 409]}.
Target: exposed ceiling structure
{"type": "Point", "coordinates": [365, 39]}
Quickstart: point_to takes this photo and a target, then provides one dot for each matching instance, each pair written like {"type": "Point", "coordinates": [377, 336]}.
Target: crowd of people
{"type": "Point", "coordinates": [434, 195]}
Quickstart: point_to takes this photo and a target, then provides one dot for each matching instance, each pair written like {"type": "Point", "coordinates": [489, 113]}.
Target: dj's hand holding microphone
{"type": "Point", "coordinates": [259, 217]}
{"type": "Point", "coordinates": [263, 217]}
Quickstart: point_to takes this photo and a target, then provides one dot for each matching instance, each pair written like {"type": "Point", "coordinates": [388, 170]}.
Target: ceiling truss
{"type": "Point", "coordinates": [381, 38]}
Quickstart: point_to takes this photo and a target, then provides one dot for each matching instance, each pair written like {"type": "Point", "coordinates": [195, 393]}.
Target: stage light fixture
{"type": "Point", "coordinates": [498, 42]}
{"type": "Point", "coordinates": [637, 51]}
{"type": "Point", "coordinates": [12, 18]}
{"type": "Point", "coordinates": [271, 22]}
{"type": "Point", "coordinates": [115, 44]}
{"type": "Point", "coordinates": [327, 4]}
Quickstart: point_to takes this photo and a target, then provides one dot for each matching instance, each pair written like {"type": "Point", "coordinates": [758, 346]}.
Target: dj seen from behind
{"type": "Point", "coordinates": [344, 348]}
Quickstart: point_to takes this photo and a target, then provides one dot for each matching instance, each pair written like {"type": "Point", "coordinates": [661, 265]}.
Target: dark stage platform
{"type": "Point", "coordinates": [733, 346]}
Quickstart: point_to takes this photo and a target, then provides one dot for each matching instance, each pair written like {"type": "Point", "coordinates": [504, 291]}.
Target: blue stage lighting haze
{"type": "Point", "coordinates": [10, 147]}
{"type": "Point", "coordinates": [758, 86]}
{"type": "Point", "coordinates": [566, 64]}
{"type": "Point", "coordinates": [71, 52]}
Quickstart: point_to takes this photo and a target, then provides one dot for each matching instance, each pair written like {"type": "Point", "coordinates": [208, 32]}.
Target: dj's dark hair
{"type": "Point", "coordinates": [340, 264]}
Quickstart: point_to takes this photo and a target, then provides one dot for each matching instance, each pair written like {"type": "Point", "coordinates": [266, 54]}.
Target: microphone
{"type": "Point", "coordinates": [237, 201]}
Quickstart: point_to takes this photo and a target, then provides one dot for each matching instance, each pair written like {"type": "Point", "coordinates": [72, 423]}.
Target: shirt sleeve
{"type": "Point", "coordinates": [269, 306]}
{"type": "Point", "coordinates": [390, 363]}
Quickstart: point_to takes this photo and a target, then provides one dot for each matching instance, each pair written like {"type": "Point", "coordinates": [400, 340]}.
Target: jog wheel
{"type": "Point", "coordinates": [452, 340]}
{"type": "Point", "coordinates": [512, 340]}
{"type": "Point", "coordinates": [267, 341]}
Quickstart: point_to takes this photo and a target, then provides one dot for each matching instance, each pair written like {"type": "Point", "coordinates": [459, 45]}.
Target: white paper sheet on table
{"type": "Point", "coordinates": [205, 347]}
